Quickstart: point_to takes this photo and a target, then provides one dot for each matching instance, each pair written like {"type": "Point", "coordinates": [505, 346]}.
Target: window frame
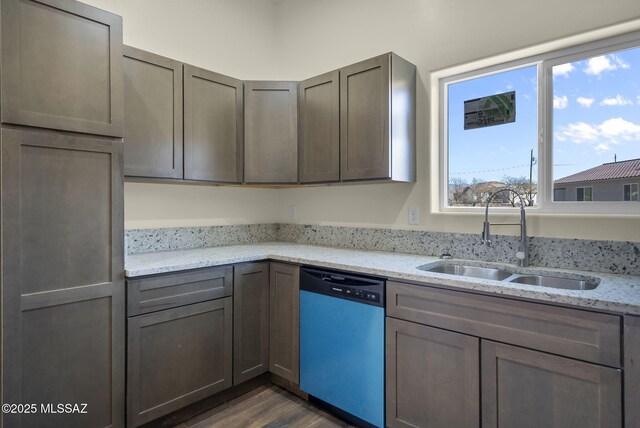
{"type": "Point", "coordinates": [545, 57]}
{"type": "Point", "coordinates": [637, 192]}
{"type": "Point", "coordinates": [584, 191]}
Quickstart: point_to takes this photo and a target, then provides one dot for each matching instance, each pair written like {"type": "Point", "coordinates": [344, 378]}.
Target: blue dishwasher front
{"type": "Point", "coordinates": [342, 343]}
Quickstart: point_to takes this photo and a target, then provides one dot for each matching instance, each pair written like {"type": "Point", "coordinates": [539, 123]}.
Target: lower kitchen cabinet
{"type": "Point", "coordinates": [250, 321]}
{"type": "Point", "coordinates": [528, 389]}
{"type": "Point", "coordinates": [433, 377]}
{"type": "Point", "coordinates": [458, 359]}
{"type": "Point", "coordinates": [284, 326]}
{"type": "Point", "coordinates": [631, 371]}
{"type": "Point", "coordinates": [176, 357]}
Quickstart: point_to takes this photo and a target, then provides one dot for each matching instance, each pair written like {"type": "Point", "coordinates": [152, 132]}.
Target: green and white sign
{"type": "Point", "coordinates": [489, 111]}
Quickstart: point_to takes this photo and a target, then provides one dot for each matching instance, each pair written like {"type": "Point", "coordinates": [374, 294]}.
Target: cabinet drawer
{"type": "Point", "coordinates": [574, 333]}
{"type": "Point", "coordinates": [159, 292]}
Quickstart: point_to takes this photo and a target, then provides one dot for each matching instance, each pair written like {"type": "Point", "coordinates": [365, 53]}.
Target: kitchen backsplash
{"type": "Point", "coordinates": [599, 256]}
{"type": "Point", "coordinates": [178, 238]}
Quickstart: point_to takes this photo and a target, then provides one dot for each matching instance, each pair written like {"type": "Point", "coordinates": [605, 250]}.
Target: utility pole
{"type": "Point", "coordinates": [531, 179]}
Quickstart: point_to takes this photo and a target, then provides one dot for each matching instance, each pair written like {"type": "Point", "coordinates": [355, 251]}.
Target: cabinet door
{"type": "Point", "coordinates": [433, 377]}
{"type": "Point", "coordinates": [271, 132]}
{"type": "Point", "coordinates": [364, 120]}
{"type": "Point", "coordinates": [284, 340]}
{"type": "Point", "coordinates": [153, 119]}
{"type": "Point", "coordinates": [250, 321]}
{"type": "Point", "coordinates": [631, 371]}
{"type": "Point", "coordinates": [62, 277]}
{"type": "Point", "coordinates": [176, 357]}
{"type": "Point", "coordinates": [61, 66]}
{"type": "Point", "coordinates": [213, 126]}
{"type": "Point", "coordinates": [319, 137]}
{"type": "Point", "coordinates": [524, 388]}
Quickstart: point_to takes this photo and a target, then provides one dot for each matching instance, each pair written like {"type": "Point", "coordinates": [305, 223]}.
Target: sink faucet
{"type": "Point", "coordinates": [523, 254]}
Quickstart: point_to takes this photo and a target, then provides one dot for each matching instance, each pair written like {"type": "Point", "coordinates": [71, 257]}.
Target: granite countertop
{"type": "Point", "coordinates": [616, 293]}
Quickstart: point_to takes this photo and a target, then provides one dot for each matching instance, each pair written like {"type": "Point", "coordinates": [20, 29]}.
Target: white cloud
{"type": "Point", "coordinates": [585, 102]}
{"type": "Point", "coordinates": [560, 102]}
{"type": "Point", "coordinates": [620, 128]}
{"type": "Point", "coordinates": [602, 147]}
{"type": "Point", "coordinates": [563, 70]}
{"type": "Point", "coordinates": [600, 64]}
{"type": "Point", "coordinates": [579, 132]}
{"type": "Point", "coordinates": [618, 100]}
{"type": "Point", "coordinates": [603, 136]}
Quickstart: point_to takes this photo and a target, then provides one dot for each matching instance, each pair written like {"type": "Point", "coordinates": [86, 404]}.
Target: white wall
{"type": "Point", "coordinates": [296, 39]}
{"type": "Point", "coordinates": [317, 36]}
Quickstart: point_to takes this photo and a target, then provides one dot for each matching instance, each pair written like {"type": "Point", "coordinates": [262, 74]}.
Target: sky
{"type": "Point", "coordinates": [596, 115]}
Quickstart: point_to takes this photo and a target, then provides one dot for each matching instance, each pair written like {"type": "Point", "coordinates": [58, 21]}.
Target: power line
{"type": "Point", "coordinates": [509, 167]}
{"type": "Point", "coordinates": [490, 170]}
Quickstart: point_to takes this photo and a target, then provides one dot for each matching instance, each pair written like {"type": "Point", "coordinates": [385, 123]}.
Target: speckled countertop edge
{"type": "Point", "coordinates": [616, 293]}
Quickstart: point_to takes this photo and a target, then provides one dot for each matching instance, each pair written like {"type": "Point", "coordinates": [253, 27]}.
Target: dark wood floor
{"type": "Point", "coordinates": [265, 407]}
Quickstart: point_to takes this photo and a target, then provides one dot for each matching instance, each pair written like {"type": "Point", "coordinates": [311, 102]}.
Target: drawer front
{"type": "Point", "coordinates": [574, 333]}
{"type": "Point", "coordinates": [159, 292]}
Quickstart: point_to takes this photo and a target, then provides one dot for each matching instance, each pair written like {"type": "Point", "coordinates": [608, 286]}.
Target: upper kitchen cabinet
{"type": "Point", "coordinates": [271, 132]}
{"type": "Point", "coordinates": [213, 126]}
{"type": "Point", "coordinates": [319, 134]}
{"type": "Point", "coordinates": [378, 120]}
{"type": "Point", "coordinates": [61, 66]}
{"type": "Point", "coordinates": [153, 115]}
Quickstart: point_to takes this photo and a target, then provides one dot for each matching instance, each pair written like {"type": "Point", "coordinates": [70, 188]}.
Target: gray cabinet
{"type": "Point", "coordinates": [61, 66]}
{"type": "Point", "coordinates": [271, 132]}
{"type": "Point", "coordinates": [378, 119]}
{"type": "Point", "coordinates": [433, 377]}
{"type": "Point", "coordinates": [555, 367]}
{"type": "Point", "coordinates": [176, 357]}
{"type": "Point", "coordinates": [157, 292]}
{"type": "Point", "coordinates": [524, 388]}
{"type": "Point", "coordinates": [284, 340]}
{"type": "Point", "coordinates": [319, 136]}
{"type": "Point", "coordinates": [250, 321]}
{"type": "Point", "coordinates": [579, 334]}
{"type": "Point", "coordinates": [62, 276]}
{"type": "Point", "coordinates": [153, 115]}
{"type": "Point", "coordinates": [213, 126]}
{"type": "Point", "coordinates": [631, 371]}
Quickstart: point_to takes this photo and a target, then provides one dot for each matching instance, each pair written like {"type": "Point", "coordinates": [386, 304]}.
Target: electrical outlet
{"type": "Point", "coordinates": [293, 212]}
{"type": "Point", "coordinates": [414, 215]}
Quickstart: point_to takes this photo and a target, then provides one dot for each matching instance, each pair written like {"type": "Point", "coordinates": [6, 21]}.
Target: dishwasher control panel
{"type": "Point", "coordinates": [343, 285]}
{"type": "Point", "coordinates": [356, 293]}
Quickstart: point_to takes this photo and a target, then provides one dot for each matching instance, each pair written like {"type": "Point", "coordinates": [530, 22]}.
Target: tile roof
{"type": "Point", "coordinates": [607, 171]}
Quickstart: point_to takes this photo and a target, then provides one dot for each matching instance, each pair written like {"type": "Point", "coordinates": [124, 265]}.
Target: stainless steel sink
{"type": "Point", "coordinates": [513, 276]}
{"type": "Point", "coordinates": [472, 271]}
{"type": "Point", "coordinates": [554, 282]}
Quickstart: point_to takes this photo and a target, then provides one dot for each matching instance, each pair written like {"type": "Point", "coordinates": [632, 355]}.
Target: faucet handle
{"type": "Point", "coordinates": [520, 255]}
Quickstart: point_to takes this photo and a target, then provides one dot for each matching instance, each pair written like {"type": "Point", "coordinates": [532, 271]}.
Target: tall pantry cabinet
{"type": "Point", "coordinates": [61, 214]}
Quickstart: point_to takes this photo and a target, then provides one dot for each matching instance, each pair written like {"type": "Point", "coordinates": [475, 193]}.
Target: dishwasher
{"type": "Point", "coordinates": [342, 344]}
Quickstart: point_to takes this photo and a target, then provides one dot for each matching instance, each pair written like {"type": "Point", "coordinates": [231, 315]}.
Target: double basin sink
{"type": "Point", "coordinates": [500, 274]}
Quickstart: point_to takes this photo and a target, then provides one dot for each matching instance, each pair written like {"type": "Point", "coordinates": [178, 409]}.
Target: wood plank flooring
{"type": "Point", "coordinates": [265, 407]}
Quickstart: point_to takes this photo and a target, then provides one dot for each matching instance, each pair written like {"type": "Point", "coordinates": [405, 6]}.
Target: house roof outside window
{"type": "Point", "coordinates": [608, 171]}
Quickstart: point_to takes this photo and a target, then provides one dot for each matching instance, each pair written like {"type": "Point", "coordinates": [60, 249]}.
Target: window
{"type": "Point", "coordinates": [486, 157]}
{"type": "Point", "coordinates": [631, 192]}
{"type": "Point", "coordinates": [584, 194]}
{"type": "Point", "coordinates": [561, 127]}
{"type": "Point", "coordinates": [560, 194]}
